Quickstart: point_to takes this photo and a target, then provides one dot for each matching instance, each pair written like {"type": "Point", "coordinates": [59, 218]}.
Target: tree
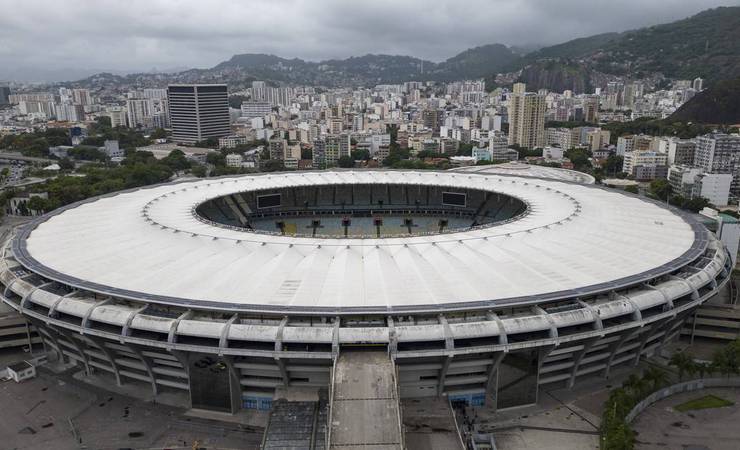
{"type": "Point", "coordinates": [207, 143]}
{"type": "Point", "coordinates": [632, 189]}
{"type": "Point", "coordinates": [216, 158]}
{"type": "Point", "coordinates": [346, 161]}
{"type": "Point", "coordinates": [66, 164]}
{"type": "Point", "coordinates": [660, 188]}
{"type": "Point", "coordinates": [361, 154]}
{"type": "Point", "coordinates": [199, 171]}
{"type": "Point", "coordinates": [657, 378]}
{"type": "Point", "coordinates": [272, 165]}
{"type": "Point", "coordinates": [614, 164]}
{"type": "Point", "coordinates": [37, 203]}
{"type": "Point", "coordinates": [159, 133]}
{"type": "Point", "coordinates": [683, 362]}
{"type": "Point", "coordinates": [176, 160]}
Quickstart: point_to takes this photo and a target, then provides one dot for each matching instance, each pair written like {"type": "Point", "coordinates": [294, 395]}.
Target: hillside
{"type": "Point", "coordinates": [719, 104]}
{"type": "Point", "coordinates": [705, 45]}
{"type": "Point", "coordinates": [557, 75]}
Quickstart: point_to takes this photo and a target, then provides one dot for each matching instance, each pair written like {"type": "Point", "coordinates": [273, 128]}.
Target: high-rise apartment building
{"type": "Point", "coordinates": [117, 116]}
{"type": "Point", "coordinates": [526, 118]}
{"type": "Point", "coordinates": [698, 84]}
{"type": "Point", "coordinates": [4, 95]}
{"type": "Point", "coordinates": [198, 112]}
{"type": "Point", "coordinates": [719, 153]}
{"type": "Point", "coordinates": [591, 109]}
{"type": "Point", "coordinates": [277, 147]}
{"type": "Point", "coordinates": [336, 146]}
{"type": "Point", "coordinates": [138, 113]}
{"type": "Point", "coordinates": [81, 97]}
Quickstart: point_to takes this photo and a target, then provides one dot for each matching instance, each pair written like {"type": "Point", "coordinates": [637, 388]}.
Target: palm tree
{"type": "Point", "coordinates": [656, 377]}
{"type": "Point", "coordinates": [682, 362]}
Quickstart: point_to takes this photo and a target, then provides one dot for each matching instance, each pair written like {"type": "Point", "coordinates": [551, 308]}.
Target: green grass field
{"type": "Point", "coordinates": [706, 402]}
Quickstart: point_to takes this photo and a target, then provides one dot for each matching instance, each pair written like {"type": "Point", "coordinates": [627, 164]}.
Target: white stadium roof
{"type": "Point", "coordinates": [530, 170]}
{"type": "Point", "coordinates": [147, 244]}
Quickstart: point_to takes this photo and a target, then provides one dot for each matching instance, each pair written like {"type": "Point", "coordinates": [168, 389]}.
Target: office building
{"type": "Point", "coordinates": [198, 112]}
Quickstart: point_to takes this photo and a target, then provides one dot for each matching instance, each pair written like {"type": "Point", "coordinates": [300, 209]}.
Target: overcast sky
{"type": "Point", "coordinates": [124, 35]}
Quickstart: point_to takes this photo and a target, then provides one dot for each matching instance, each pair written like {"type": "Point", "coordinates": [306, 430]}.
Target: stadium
{"type": "Point", "coordinates": [479, 286]}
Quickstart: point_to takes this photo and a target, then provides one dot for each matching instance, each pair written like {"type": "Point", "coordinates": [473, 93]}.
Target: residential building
{"type": "Point", "coordinates": [720, 153]}
{"type": "Point", "coordinates": [565, 138]}
{"type": "Point", "coordinates": [482, 154]}
{"type": "Point", "coordinates": [81, 97]}
{"type": "Point", "coordinates": [645, 165]}
{"type": "Point", "coordinates": [232, 141]}
{"type": "Point", "coordinates": [198, 112]}
{"type": "Point", "coordinates": [597, 139]}
{"type": "Point", "coordinates": [117, 116]}
{"type": "Point", "coordinates": [111, 148]}
{"type": "Point", "coordinates": [552, 153]}
{"type": "Point", "coordinates": [277, 147]}
{"type": "Point", "coordinates": [234, 160]}
{"type": "Point", "coordinates": [681, 151]}
{"type": "Point", "coordinates": [4, 95]}
{"type": "Point", "coordinates": [256, 109]}
{"type": "Point", "coordinates": [692, 182]}
{"type": "Point", "coordinates": [138, 113]}
{"type": "Point", "coordinates": [336, 147]}
{"type": "Point", "coordinates": [526, 118]}
{"type": "Point", "coordinates": [591, 109]}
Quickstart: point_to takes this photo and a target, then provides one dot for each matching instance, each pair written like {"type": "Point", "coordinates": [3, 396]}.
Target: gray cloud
{"type": "Point", "coordinates": [49, 35]}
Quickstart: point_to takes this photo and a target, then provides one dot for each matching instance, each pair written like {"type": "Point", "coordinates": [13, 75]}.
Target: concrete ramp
{"type": "Point", "coordinates": [365, 412]}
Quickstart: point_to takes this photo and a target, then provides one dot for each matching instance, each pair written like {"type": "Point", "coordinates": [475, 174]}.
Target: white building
{"type": "Point", "coordinates": [112, 149]}
{"type": "Point", "coordinates": [21, 371]}
{"type": "Point", "coordinates": [719, 153]}
{"type": "Point", "coordinates": [552, 153]}
{"type": "Point", "coordinates": [234, 160]}
{"type": "Point", "coordinates": [256, 109]}
{"type": "Point", "coordinates": [482, 154]}
{"type": "Point", "coordinates": [232, 141]}
{"type": "Point", "coordinates": [643, 158]}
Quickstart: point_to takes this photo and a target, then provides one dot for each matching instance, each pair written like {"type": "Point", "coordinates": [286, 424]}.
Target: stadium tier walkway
{"type": "Point", "coordinates": [365, 412]}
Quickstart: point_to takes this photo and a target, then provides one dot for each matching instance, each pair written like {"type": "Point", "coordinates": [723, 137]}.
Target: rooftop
{"type": "Point", "coordinates": [148, 244]}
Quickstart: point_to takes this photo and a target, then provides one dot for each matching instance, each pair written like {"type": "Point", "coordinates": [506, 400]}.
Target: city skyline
{"type": "Point", "coordinates": [171, 35]}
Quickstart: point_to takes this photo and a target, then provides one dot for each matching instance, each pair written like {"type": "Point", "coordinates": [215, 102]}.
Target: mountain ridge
{"type": "Point", "coordinates": [672, 50]}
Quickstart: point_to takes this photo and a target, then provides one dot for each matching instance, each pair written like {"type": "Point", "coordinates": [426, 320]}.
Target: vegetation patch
{"type": "Point", "coordinates": [706, 402]}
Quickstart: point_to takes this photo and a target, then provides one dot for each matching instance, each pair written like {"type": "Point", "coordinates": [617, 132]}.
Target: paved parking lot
{"type": "Point", "coordinates": [662, 427]}
{"type": "Point", "coordinates": [57, 412]}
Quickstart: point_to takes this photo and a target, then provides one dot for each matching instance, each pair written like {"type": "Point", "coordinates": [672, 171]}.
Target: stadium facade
{"type": "Point", "coordinates": [481, 287]}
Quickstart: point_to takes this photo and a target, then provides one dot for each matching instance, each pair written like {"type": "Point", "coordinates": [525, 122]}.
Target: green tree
{"type": "Point", "coordinates": [346, 161]}
{"type": "Point", "coordinates": [159, 133]}
{"type": "Point", "coordinates": [272, 165]}
{"type": "Point", "coordinates": [360, 155]}
{"type": "Point", "coordinates": [632, 189]}
{"type": "Point", "coordinates": [176, 160]}
{"type": "Point", "coordinates": [199, 171]}
{"type": "Point", "coordinates": [683, 363]}
{"type": "Point", "coordinates": [660, 188]}
{"type": "Point", "coordinates": [66, 164]}
{"type": "Point", "coordinates": [216, 158]}
{"type": "Point", "coordinates": [39, 204]}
